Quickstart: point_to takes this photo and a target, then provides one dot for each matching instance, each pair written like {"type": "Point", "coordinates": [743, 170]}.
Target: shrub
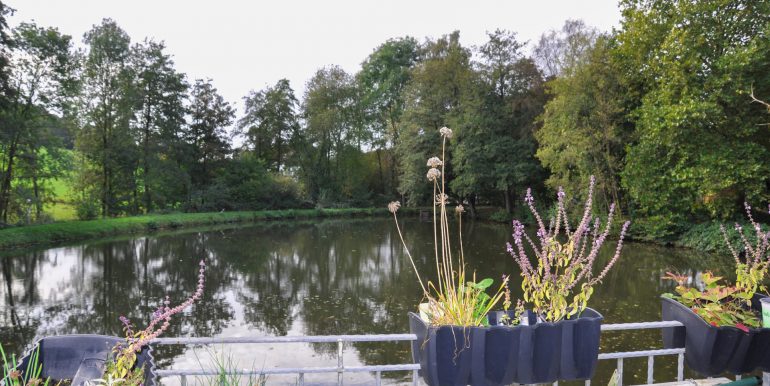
{"type": "Point", "coordinates": [87, 208]}
{"type": "Point", "coordinates": [501, 215]}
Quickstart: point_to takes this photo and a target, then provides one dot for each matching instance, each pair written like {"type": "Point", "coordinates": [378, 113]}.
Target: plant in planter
{"type": "Point", "coordinates": [100, 359]}
{"type": "Point", "coordinates": [461, 342]}
{"type": "Point", "coordinates": [455, 304]}
{"type": "Point", "coordinates": [722, 324]}
{"type": "Point", "coordinates": [12, 376]}
{"type": "Point", "coordinates": [560, 340]}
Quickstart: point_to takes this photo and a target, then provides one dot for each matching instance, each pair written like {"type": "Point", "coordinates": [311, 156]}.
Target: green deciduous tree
{"type": "Point", "coordinates": [6, 43]}
{"type": "Point", "coordinates": [269, 121]}
{"type": "Point", "coordinates": [160, 93]}
{"type": "Point", "coordinates": [433, 99]}
{"type": "Point", "coordinates": [210, 115]}
{"type": "Point", "coordinates": [333, 136]}
{"type": "Point", "coordinates": [383, 77]}
{"type": "Point", "coordinates": [585, 129]}
{"type": "Point", "coordinates": [495, 145]}
{"type": "Point", "coordinates": [702, 146]}
{"type": "Point", "coordinates": [107, 108]}
{"type": "Point", "coordinates": [560, 51]}
{"type": "Point", "coordinates": [39, 74]}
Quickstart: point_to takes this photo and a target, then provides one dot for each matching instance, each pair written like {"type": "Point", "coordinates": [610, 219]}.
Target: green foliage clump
{"type": "Point", "coordinates": [501, 215]}
{"type": "Point", "coordinates": [87, 209]}
{"type": "Point", "coordinates": [698, 148]}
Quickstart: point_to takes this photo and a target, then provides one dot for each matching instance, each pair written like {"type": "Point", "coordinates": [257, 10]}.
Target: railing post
{"type": "Point", "coordinates": [301, 379]}
{"type": "Point", "coordinates": [680, 368]}
{"type": "Point", "coordinates": [765, 379]}
{"type": "Point", "coordinates": [620, 372]}
{"type": "Point", "coordinates": [340, 365]}
{"type": "Point", "coordinates": [183, 380]}
{"type": "Point", "coordinates": [650, 368]}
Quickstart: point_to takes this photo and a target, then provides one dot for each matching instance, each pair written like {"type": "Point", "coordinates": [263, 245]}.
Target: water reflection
{"type": "Point", "coordinates": [313, 278]}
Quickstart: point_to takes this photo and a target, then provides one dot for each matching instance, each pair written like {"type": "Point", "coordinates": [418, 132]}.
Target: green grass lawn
{"type": "Point", "coordinates": [62, 209]}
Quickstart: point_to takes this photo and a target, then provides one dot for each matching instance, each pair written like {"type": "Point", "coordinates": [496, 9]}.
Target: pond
{"type": "Point", "coordinates": [346, 276]}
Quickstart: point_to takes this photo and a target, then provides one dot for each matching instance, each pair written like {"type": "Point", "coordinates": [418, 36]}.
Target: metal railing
{"type": "Point", "coordinates": [341, 369]}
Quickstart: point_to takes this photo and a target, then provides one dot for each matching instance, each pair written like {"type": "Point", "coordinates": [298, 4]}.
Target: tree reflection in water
{"type": "Point", "coordinates": [290, 278]}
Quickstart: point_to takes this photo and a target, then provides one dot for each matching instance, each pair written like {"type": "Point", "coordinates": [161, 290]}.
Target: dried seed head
{"type": "Point", "coordinates": [34, 382]}
{"type": "Point", "coordinates": [459, 209]}
{"type": "Point", "coordinates": [446, 132]}
{"type": "Point", "coordinates": [433, 174]}
{"type": "Point", "coordinates": [434, 162]}
{"type": "Point", "coordinates": [394, 206]}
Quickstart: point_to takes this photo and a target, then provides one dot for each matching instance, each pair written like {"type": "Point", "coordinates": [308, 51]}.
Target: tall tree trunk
{"type": "Point", "coordinates": [135, 192]}
{"type": "Point", "coordinates": [5, 188]}
{"type": "Point", "coordinates": [279, 156]}
{"type": "Point", "coordinates": [146, 166]}
{"type": "Point", "coordinates": [472, 202]}
{"type": "Point", "coordinates": [106, 172]}
{"type": "Point", "coordinates": [393, 160]}
{"type": "Point", "coordinates": [382, 176]}
{"type": "Point", "coordinates": [38, 201]}
{"type": "Point", "coordinates": [105, 188]}
{"type": "Point", "coordinates": [507, 193]}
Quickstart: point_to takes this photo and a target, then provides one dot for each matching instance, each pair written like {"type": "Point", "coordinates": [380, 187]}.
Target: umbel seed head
{"type": "Point", "coordinates": [434, 162]}
{"type": "Point", "coordinates": [433, 174]}
{"type": "Point", "coordinates": [446, 132]}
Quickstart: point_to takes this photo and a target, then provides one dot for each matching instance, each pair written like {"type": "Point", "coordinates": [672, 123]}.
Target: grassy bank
{"type": "Point", "coordinates": [48, 234]}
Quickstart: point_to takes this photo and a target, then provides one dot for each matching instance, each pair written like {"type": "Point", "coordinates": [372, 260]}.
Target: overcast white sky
{"type": "Point", "coordinates": [245, 45]}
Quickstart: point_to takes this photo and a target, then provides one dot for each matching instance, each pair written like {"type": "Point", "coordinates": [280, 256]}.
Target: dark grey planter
{"type": "Point", "coordinates": [711, 350]}
{"type": "Point", "coordinates": [540, 352]}
{"type": "Point", "coordinates": [82, 357]}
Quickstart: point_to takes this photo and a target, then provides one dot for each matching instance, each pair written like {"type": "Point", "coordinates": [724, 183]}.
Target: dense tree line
{"type": "Point", "coordinates": [660, 110]}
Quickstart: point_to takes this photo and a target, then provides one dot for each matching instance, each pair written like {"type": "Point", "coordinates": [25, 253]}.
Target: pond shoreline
{"type": "Point", "coordinates": [60, 232]}
{"type": "Point", "coordinates": [702, 237]}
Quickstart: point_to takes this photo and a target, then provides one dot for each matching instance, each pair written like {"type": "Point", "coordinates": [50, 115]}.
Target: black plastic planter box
{"type": "Point", "coordinates": [711, 350]}
{"type": "Point", "coordinates": [540, 352]}
{"type": "Point", "coordinates": [63, 356]}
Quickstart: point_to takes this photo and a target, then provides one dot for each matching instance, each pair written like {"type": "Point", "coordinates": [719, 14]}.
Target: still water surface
{"type": "Point", "coordinates": [297, 278]}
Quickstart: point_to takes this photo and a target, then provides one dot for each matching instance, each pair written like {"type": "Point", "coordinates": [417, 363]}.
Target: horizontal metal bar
{"type": "Point", "coordinates": [640, 326]}
{"type": "Point", "coordinates": [289, 339]}
{"type": "Point", "coordinates": [369, 338]}
{"type": "Point", "coordinates": [639, 354]}
{"type": "Point", "coordinates": [402, 367]}
{"type": "Point", "coordinates": [289, 370]}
